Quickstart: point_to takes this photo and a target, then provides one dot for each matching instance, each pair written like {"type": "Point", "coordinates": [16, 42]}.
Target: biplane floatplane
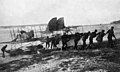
{"type": "Point", "coordinates": [28, 33]}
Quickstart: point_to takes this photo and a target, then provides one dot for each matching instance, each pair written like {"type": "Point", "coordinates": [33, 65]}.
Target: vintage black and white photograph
{"type": "Point", "coordinates": [59, 35]}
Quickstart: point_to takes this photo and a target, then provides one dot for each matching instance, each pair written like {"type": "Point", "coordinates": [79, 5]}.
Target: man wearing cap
{"type": "Point", "coordinates": [92, 35]}
{"type": "Point", "coordinates": [111, 34]}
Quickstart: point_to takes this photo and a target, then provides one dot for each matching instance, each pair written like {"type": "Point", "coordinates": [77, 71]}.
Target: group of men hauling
{"type": "Point", "coordinates": [54, 40]}
{"type": "Point", "coordinates": [84, 36]}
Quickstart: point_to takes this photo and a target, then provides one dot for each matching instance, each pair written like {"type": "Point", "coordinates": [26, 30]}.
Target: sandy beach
{"type": "Point", "coordinates": [50, 65]}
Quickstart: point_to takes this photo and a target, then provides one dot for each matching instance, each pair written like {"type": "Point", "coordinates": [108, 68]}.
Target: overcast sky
{"type": "Point", "coordinates": [75, 12]}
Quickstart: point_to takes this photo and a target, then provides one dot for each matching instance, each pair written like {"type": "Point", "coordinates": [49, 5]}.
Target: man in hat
{"type": "Point", "coordinates": [111, 34]}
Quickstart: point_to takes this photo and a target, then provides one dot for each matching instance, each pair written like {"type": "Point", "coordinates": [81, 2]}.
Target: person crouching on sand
{"type": "Point", "coordinates": [3, 49]}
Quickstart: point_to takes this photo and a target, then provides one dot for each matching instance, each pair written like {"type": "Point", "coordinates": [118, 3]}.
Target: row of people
{"type": "Point", "coordinates": [77, 36]}
{"type": "Point", "coordinates": [84, 36]}
{"type": "Point", "coordinates": [52, 41]}
{"type": "Point", "coordinates": [99, 37]}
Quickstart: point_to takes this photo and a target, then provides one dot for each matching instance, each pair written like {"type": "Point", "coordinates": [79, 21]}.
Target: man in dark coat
{"type": "Point", "coordinates": [3, 49]}
{"type": "Point", "coordinates": [47, 42]}
{"type": "Point", "coordinates": [65, 39]}
{"type": "Point", "coordinates": [92, 35]}
{"type": "Point", "coordinates": [99, 38]}
{"type": "Point", "coordinates": [77, 37]}
{"type": "Point", "coordinates": [53, 42]}
{"type": "Point", "coordinates": [111, 34]}
{"type": "Point", "coordinates": [84, 38]}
